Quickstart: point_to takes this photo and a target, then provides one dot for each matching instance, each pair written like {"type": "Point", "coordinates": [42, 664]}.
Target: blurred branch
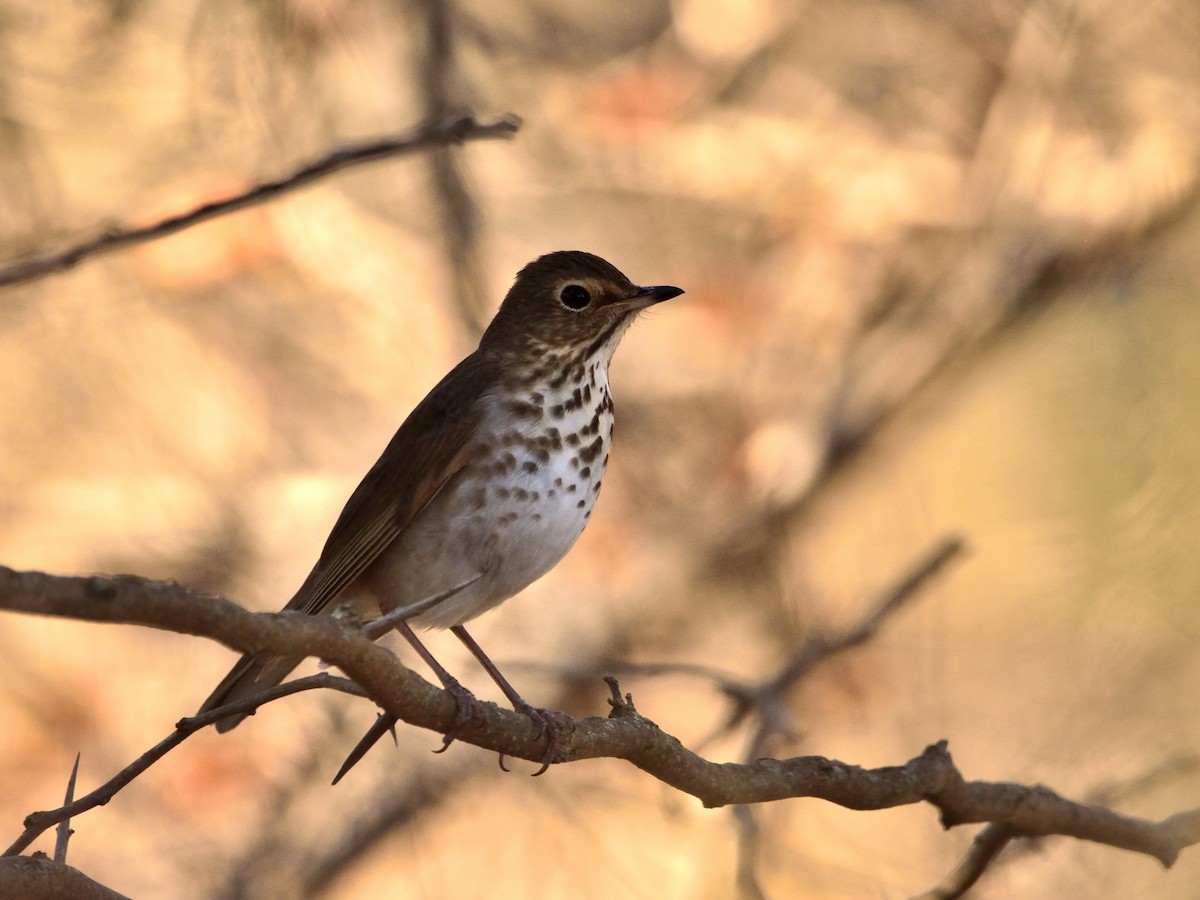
{"type": "Point", "coordinates": [818, 647]}
{"type": "Point", "coordinates": [930, 777]}
{"type": "Point", "coordinates": [984, 850]}
{"type": "Point", "coordinates": [312, 863]}
{"type": "Point", "coordinates": [749, 835]}
{"type": "Point", "coordinates": [768, 697]}
{"type": "Point", "coordinates": [448, 129]}
{"type": "Point", "coordinates": [460, 228]}
{"type": "Point", "coordinates": [390, 810]}
{"type": "Point", "coordinates": [401, 797]}
{"type": "Point", "coordinates": [1169, 770]}
{"type": "Point", "coordinates": [440, 83]}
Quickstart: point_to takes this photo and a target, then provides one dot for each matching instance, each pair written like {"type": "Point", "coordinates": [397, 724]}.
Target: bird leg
{"type": "Point", "coordinates": [469, 709]}
{"type": "Point", "coordinates": [553, 730]}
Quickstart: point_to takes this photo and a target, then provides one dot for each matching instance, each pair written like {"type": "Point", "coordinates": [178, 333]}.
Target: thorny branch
{"type": "Point", "coordinates": [36, 823]}
{"type": "Point", "coordinates": [930, 777]}
{"type": "Point", "coordinates": [63, 837]}
{"type": "Point", "coordinates": [454, 128]}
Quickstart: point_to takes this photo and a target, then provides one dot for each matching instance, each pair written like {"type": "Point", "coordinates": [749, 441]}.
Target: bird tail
{"type": "Point", "coordinates": [253, 673]}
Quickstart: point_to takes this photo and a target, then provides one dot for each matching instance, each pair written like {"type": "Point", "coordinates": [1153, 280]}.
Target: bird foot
{"type": "Point", "coordinates": [469, 711]}
{"type": "Point", "coordinates": [555, 726]}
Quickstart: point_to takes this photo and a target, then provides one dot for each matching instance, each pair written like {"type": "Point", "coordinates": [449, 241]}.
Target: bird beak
{"type": "Point", "coordinates": [646, 296]}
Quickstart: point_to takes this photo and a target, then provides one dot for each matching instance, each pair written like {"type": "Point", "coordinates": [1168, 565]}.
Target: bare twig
{"type": "Point", "coordinates": [454, 128]}
{"type": "Point", "coordinates": [64, 827]}
{"type": "Point", "coordinates": [747, 881]}
{"type": "Point", "coordinates": [930, 777]}
{"type": "Point", "coordinates": [992, 839]}
{"type": "Point", "coordinates": [36, 823]}
{"type": "Point", "coordinates": [378, 627]}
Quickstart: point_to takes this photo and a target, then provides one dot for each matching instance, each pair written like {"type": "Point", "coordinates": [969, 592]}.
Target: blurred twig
{"type": "Point", "coordinates": [393, 810]}
{"type": "Point", "coordinates": [984, 849]}
{"type": "Point", "coordinates": [401, 796]}
{"type": "Point", "coordinates": [1175, 767]}
{"type": "Point", "coordinates": [768, 697]}
{"type": "Point", "coordinates": [439, 77]}
{"type": "Point", "coordinates": [448, 129]}
{"type": "Point", "coordinates": [818, 647]}
{"type": "Point", "coordinates": [748, 884]}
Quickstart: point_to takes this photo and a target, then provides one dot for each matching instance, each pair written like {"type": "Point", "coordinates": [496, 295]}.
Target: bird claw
{"type": "Point", "coordinates": [469, 710]}
{"type": "Point", "coordinates": [555, 726]}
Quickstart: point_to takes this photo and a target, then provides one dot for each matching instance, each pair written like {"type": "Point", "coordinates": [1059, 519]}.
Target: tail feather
{"type": "Point", "coordinates": [253, 673]}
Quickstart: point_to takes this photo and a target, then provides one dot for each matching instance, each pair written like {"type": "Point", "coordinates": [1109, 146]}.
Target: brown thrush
{"type": "Point", "coordinates": [485, 486]}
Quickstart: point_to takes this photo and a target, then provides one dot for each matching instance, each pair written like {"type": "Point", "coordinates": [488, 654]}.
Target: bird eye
{"type": "Point", "coordinates": [575, 296]}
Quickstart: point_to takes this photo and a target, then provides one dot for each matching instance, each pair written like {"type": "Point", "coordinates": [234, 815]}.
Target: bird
{"type": "Point", "coordinates": [484, 487]}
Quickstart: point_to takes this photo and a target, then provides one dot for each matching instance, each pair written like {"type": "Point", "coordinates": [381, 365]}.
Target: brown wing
{"type": "Point", "coordinates": [426, 452]}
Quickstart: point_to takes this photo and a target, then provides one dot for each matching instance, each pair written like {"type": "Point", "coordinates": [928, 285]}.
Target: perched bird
{"type": "Point", "coordinates": [485, 486]}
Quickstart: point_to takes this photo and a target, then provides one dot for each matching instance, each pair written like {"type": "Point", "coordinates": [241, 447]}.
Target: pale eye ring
{"type": "Point", "coordinates": [574, 296]}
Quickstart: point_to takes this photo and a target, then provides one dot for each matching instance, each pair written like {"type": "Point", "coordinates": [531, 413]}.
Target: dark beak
{"type": "Point", "coordinates": [656, 293]}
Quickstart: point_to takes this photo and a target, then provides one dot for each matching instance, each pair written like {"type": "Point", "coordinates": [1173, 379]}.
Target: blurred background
{"type": "Point", "coordinates": [939, 260]}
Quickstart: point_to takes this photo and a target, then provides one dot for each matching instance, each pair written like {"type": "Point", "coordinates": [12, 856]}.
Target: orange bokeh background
{"type": "Point", "coordinates": [939, 263]}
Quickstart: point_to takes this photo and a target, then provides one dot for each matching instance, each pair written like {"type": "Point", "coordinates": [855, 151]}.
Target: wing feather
{"type": "Point", "coordinates": [429, 449]}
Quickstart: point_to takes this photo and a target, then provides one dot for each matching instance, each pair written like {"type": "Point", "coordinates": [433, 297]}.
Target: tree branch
{"type": "Point", "coordinates": [40, 878]}
{"type": "Point", "coordinates": [993, 838]}
{"type": "Point", "coordinates": [454, 128]}
{"type": "Point", "coordinates": [930, 777]}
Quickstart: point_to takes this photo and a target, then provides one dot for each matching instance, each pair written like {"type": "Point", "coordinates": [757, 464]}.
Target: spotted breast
{"type": "Point", "coordinates": [522, 501]}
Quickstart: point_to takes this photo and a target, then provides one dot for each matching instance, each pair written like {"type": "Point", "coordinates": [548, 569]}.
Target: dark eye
{"type": "Point", "coordinates": [575, 296]}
